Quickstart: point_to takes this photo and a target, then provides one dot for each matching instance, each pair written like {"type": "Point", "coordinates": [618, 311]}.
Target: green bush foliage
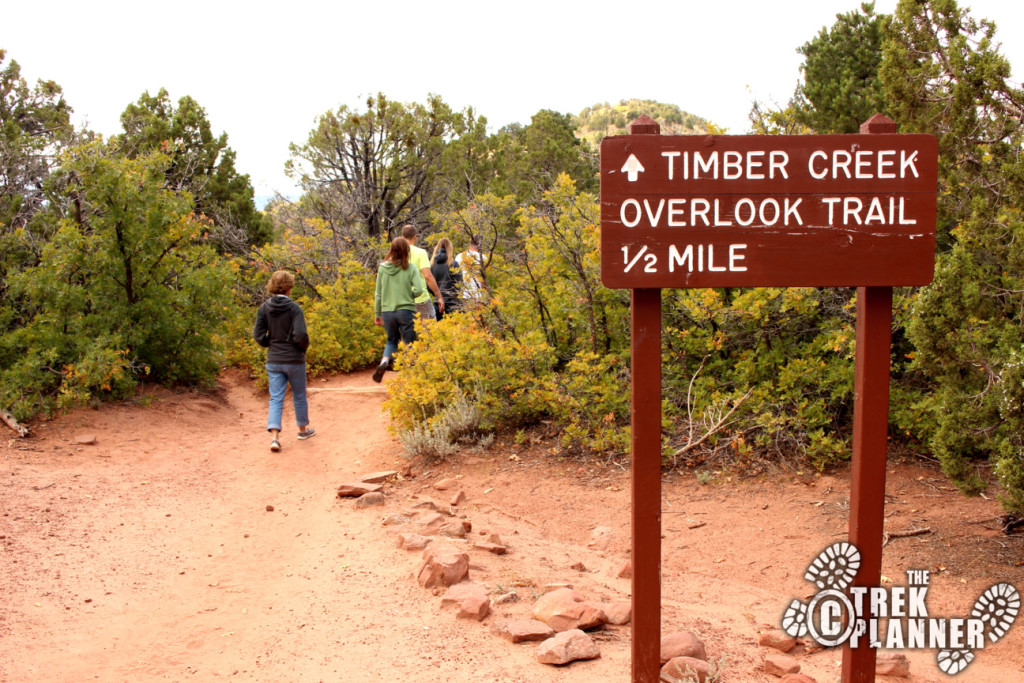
{"type": "Point", "coordinates": [562, 283]}
{"type": "Point", "coordinates": [126, 289]}
{"type": "Point", "coordinates": [945, 76]}
{"type": "Point", "coordinates": [340, 321]}
{"type": "Point", "coordinates": [966, 328]}
{"type": "Point", "coordinates": [592, 404]}
{"type": "Point", "coordinates": [783, 356]}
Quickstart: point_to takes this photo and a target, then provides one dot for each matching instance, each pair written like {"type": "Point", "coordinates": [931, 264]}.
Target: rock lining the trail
{"type": "Point", "coordinates": [779, 665]}
{"type": "Point", "coordinates": [566, 609]}
{"type": "Point", "coordinates": [354, 489]}
{"type": "Point", "coordinates": [378, 477]}
{"type": "Point", "coordinates": [469, 599]}
{"type": "Point", "coordinates": [442, 566]}
{"type": "Point", "coordinates": [567, 646]}
{"type": "Point", "coordinates": [686, 669]}
{"type": "Point", "coordinates": [371, 499]}
{"type": "Point", "coordinates": [682, 644]}
{"type": "Point", "coordinates": [561, 615]}
{"type": "Point", "coordinates": [523, 630]}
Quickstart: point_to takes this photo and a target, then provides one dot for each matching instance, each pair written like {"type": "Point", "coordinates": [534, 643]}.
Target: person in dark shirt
{"type": "Point", "coordinates": [447, 279]}
{"type": "Point", "coordinates": [281, 328]}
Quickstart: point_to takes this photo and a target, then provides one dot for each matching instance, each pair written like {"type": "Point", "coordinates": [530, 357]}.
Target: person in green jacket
{"type": "Point", "coordinates": [394, 304]}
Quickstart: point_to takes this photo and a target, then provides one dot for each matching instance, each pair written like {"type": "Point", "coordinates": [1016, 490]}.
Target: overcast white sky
{"type": "Point", "coordinates": [264, 71]}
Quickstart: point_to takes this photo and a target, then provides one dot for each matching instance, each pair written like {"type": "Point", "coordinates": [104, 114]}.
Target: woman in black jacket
{"type": "Point", "coordinates": [447, 279]}
{"type": "Point", "coordinates": [281, 328]}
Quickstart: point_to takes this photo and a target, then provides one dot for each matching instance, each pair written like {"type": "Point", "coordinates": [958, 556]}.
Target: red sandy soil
{"type": "Point", "coordinates": [151, 555]}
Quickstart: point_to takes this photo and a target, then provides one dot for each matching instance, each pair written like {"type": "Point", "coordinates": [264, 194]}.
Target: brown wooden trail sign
{"type": "Point", "coordinates": [764, 211]}
{"type": "Point", "coordinates": [758, 210]}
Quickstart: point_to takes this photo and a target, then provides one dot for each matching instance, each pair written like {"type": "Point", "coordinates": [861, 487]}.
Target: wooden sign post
{"type": "Point", "coordinates": [764, 211]}
{"type": "Point", "coordinates": [870, 436]}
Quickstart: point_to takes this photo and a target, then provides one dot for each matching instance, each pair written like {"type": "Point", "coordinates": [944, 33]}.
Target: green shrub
{"type": "Point", "coordinates": [512, 383]}
{"type": "Point", "coordinates": [966, 328]}
{"type": "Point", "coordinates": [340, 321]}
{"type": "Point", "coordinates": [783, 356]}
{"type": "Point", "coordinates": [592, 404]}
{"type": "Point", "coordinates": [126, 289]}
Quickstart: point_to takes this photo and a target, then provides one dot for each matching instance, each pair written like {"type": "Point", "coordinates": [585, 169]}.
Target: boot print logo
{"type": "Point", "coordinates": [897, 617]}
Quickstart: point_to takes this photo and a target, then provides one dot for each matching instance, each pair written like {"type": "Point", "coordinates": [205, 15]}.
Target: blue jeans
{"type": "Point", "coordinates": [279, 376]}
{"type": "Point", "coordinates": [399, 325]}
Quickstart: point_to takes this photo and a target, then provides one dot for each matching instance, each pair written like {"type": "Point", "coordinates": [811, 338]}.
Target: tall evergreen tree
{"type": "Point", "coordinates": [841, 86]}
{"type": "Point", "coordinates": [201, 164]}
{"type": "Point", "coordinates": [945, 76]}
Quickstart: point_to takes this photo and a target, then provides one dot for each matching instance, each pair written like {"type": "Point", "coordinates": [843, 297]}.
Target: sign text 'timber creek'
{"type": "Point", "coordinates": [773, 211]}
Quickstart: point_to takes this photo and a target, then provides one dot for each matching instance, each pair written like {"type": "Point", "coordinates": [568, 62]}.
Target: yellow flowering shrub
{"type": "Point", "coordinates": [510, 379]}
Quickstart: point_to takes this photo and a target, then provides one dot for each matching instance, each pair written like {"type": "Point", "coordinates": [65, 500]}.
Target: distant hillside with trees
{"type": "Point", "coordinates": [601, 120]}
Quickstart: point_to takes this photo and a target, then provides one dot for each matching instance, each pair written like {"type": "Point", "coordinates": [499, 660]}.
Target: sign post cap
{"type": "Point", "coordinates": [879, 123]}
{"type": "Point", "coordinates": [645, 125]}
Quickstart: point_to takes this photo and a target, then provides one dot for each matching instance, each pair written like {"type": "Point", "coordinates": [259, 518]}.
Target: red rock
{"type": "Point", "coordinates": [892, 664]}
{"type": "Point", "coordinates": [378, 477]}
{"type": "Point", "coordinates": [430, 522]}
{"type": "Point", "coordinates": [682, 644]}
{"type": "Point", "coordinates": [458, 499]}
{"type": "Point", "coordinates": [566, 647]}
{"type": "Point", "coordinates": [490, 547]}
{"type": "Point", "coordinates": [471, 600]}
{"type": "Point", "coordinates": [85, 439]}
{"type": "Point", "coordinates": [780, 665]}
{"type": "Point", "coordinates": [565, 609]}
{"type": "Point", "coordinates": [777, 639]}
{"type": "Point", "coordinates": [578, 566]}
{"type": "Point", "coordinates": [452, 530]}
{"type": "Point", "coordinates": [523, 630]}
{"type": "Point", "coordinates": [685, 669]}
{"type": "Point", "coordinates": [446, 484]}
{"type": "Point", "coordinates": [428, 518]}
{"type": "Point", "coordinates": [626, 570]}
{"type": "Point", "coordinates": [354, 489]}
{"type": "Point", "coordinates": [412, 541]}
{"type": "Point", "coordinates": [797, 678]}
{"type": "Point", "coordinates": [442, 566]}
{"type": "Point", "coordinates": [371, 499]}
{"type": "Point", "coordinates": [618, 613]}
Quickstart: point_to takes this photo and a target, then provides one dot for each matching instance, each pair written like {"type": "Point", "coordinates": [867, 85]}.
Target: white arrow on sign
{"type": "Point", "coordinates": [632, 168]}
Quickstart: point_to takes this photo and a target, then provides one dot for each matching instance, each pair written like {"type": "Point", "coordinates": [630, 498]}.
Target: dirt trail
{"type": "Point", "coordinates": [151, 555]}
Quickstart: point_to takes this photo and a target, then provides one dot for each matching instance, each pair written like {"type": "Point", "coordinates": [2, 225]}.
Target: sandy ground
{"type": "Point", "coordinates": [151, 554]}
